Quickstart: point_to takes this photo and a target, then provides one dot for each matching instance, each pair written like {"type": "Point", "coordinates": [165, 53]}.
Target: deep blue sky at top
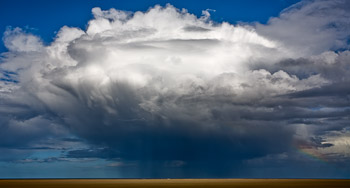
{"type": "Point", "coordinates": [46, 17]}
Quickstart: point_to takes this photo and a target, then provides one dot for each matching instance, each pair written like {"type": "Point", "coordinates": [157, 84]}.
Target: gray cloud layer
{"type": "Point", "coordinates": [164, 85]}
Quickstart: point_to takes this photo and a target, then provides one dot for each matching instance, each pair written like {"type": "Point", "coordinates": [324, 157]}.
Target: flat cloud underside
{"type": "Point", "coordinates": [165, 85]}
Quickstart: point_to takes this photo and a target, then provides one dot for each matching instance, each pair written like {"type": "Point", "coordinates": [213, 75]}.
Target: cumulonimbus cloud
{"type": "Point", "coordinates": [167, 85]}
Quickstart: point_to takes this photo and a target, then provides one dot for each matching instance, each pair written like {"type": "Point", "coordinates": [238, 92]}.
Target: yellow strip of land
{"type": "Point", "coordinates": [148, 183]}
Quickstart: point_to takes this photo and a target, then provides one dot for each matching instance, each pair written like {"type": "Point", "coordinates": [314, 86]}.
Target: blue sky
{"type": "Point", "coordinates": [189, 89]}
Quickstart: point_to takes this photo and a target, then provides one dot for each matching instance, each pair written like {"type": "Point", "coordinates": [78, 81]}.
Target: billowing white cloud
{"type": "Point", "coordinates": [144, 83]}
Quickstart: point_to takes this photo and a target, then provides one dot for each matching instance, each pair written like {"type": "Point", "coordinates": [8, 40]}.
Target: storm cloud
{"type": "Point", "coordinates": [167, 88]}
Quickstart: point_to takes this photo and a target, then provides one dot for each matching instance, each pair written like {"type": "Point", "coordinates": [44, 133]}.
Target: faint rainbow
{"type": "Point", "coordinates": [308, 150]}
{"type": "Point", "coordinates": [312, 153]}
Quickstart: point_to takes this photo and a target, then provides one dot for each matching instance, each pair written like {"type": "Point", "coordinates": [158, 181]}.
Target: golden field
{"type": "Point", "coordinates": [104, 183]}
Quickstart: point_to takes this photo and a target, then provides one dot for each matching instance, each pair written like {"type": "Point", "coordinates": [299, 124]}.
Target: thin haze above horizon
{"type": "Point", "coordinates": [175, 89]}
